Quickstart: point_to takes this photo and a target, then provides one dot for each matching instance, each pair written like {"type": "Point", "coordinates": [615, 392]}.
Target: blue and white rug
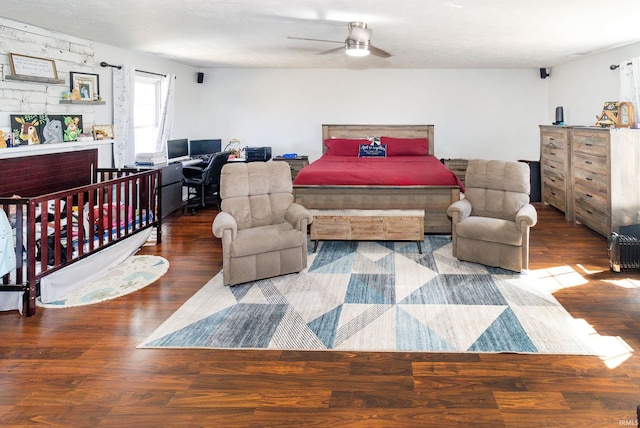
{"type": "Point", "coordinates": [134, 273]}
{"type": "Point", "coordinates": [378, 296]}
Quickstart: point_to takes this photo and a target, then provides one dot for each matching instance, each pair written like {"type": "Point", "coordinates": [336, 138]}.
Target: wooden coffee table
{"type": "Point", "coordinates": [367, 225]}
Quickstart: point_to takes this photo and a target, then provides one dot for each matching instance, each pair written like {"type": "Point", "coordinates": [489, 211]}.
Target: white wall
{"type": "Point", "coordinates": [187, 114]}
{"type": "Point", "coordinates": [69, 54]}
{"type": "Point", "coordinates": [581, 87]}
{"type": "Point", "coordinates": [476, 113]}
{"type": "Point", "coordinates": [79, 55]}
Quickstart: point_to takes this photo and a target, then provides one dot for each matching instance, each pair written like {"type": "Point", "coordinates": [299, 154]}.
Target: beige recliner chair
{"type": "Point", "coordinates": [263, 232]}
{"type": "Point", "coordinates": [491, 224]}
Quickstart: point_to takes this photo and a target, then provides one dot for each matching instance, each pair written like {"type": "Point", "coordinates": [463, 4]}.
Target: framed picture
{"type": "Point", "coordinates": [86, 85]}
{"type": "Point", "coordinates": [26, 129]}
{"type": "Point", "coordinates": [6, 138]}
{"type": "Point", "coordinates": [626, 116]}
{"type": "Point", "coordinates": [52, 129]}
{"type": "Point", "coordinates": [71, 127]}
{"type": "Point", "coordinates": [103, 132]}
{"type": "Point", "coordinates": [26, 65]}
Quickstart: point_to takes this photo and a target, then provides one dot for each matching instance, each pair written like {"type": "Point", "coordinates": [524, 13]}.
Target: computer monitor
{"type": "Point", "coordinates": [205, 147]}
{"type": "Point", "coordinates": [178, 150]}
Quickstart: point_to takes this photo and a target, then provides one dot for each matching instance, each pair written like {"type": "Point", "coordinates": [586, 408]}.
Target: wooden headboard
{"type": "Point", "coordinates": [36, 175]}
{"type": "Point", "coordinates": [364, 131]}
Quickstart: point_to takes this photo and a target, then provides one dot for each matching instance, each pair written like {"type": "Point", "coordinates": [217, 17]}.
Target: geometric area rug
{"type": "Point", "coordinates": [379, 296]}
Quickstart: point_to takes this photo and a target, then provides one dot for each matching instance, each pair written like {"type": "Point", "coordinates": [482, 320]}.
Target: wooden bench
{"type": "Point", "coordinates": [367, 225]}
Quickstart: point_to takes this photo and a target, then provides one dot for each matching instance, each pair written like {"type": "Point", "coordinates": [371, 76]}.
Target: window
{"type": "Point", "coordinates": [146, 112]}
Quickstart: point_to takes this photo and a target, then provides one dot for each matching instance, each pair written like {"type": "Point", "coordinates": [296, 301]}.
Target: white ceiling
{"type": "Point", "coordinates": [418, 33]}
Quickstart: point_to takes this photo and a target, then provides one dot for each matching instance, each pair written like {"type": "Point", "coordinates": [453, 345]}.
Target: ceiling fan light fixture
{"type": "Point", "coordinates": [355, 48]}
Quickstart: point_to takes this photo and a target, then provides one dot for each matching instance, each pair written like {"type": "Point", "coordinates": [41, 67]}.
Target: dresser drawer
{"type": "Point", "coordinates": [597, 164]}
{"type": "Point", "coordinates": [554, 169]}
{"type": "Point", "coordinates": [591, 196]}
{"type": "Point", "coordinates": [556, 155]}
{"type": "Point", "coordinates": [593, 218]}
{"type": "Point", "coordinates": [591, 143]}
{"type": "Point", "coordinates": [554, 183]}
{"type": "Point", "coordinates": [554, 197]}
{"type": "Point", "coordinates": [553, 140]}
{"type": "Point", "coordinates": [590, 180]}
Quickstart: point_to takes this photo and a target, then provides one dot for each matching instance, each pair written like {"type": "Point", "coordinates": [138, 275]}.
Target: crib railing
{"type": "Point", "coordinates": [60, 228]}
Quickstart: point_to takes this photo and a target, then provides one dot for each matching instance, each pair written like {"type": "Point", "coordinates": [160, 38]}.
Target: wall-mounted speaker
{"type": "Point", "coordinates": [544, 73]}
{"type": "Point", "coordinates": [200, 77]}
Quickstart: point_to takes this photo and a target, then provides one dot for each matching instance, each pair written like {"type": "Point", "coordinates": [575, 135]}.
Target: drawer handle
{"type": "Point", "coordinates": [553, 193]}
{"type": "Point", "coordinates": [588, 195]}
{"type": "Point", "coordinates": [590, 212]}
{"type": "Point", "coordinates": [588, 162]}
{"type": "Point", "coordinates": [552, 180]}
{"type": "Point", "coordinates": [588, 144]}
{"type": "Point", "coordinates": [553, 146]}
{"type": "Point", "coordinates": [589, 179]}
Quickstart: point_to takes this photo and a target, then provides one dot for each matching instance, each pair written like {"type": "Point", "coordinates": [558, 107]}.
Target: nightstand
{"type": "Point", "coordinates": [458, 166]}
{"type": "Point", "coordinates": [296, 164]}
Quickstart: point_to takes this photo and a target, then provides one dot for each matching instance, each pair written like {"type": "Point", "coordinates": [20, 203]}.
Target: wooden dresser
{"type": "Point", "coordinates": [554, 167]}
{"type": "Point", "coordinates": [600, 178]}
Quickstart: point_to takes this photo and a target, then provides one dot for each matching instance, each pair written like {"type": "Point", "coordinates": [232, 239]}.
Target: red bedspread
{"type": "Point", "coordinates": [332, 170]}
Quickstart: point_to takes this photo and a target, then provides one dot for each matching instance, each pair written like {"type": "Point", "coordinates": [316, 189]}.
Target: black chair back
{"type": "Point", "coordinates": [211, 174]}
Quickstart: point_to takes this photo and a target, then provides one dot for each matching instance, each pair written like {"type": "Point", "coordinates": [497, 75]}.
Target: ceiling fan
{"type": "Point", "coordinates": [357, 43]}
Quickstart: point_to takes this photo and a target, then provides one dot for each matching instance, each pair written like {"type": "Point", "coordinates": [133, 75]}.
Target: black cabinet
{"type": "Point", "coordinates": [171, 190]}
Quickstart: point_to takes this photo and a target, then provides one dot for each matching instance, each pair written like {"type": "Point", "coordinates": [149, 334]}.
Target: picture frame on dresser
{"type": "Point", "coordinates": [102, 132]}
{"type": "Point", "coordinates": [626, 118]}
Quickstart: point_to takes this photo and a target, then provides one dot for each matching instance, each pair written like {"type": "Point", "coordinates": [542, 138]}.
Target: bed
{"type": "Point", "coordinates": [69, 223]}
{"type": "Point", "coordinates": [340, 179]}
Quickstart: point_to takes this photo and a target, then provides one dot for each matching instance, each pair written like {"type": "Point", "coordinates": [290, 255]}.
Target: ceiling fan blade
{"type": "Point", "coordinates": [314, 40]}
{"type": "Point", "coordinates": [341, 48]}
{"type": "Point", "coordinates": [379, 52]}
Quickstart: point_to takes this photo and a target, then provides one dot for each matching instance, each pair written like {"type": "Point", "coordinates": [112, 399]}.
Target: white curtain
{"type": "Point", "coordinates": [630, 84]}
{"type": "Point", "coordinates": [166, 114]}
{"type": "Point", "coordinates": [124, 148]}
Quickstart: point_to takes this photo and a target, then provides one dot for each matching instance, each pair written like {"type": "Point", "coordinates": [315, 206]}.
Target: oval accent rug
{"type": "Point", "coordinates": [134, 273]}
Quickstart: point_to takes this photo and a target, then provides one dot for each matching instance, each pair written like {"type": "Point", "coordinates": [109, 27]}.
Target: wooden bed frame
{"type": "Point", "coordinates": [434, 200]}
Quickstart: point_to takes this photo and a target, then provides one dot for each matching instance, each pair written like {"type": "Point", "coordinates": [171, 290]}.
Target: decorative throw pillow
{"type": "Point", "coordinates": [343, 146]}
{"type": "Point", "coordinates": [406, 146]}
{"type": "Point", "coordinates": [372, 151]}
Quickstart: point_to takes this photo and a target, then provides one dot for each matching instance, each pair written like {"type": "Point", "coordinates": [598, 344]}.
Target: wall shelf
{"type": "Point", "coordinates": [34, 79]}
{"type": "Point", "coordinates": [81, 102]}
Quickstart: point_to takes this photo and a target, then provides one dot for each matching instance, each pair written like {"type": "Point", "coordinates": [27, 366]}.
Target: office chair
{"type": "Point", "coordinates": [203, 182]}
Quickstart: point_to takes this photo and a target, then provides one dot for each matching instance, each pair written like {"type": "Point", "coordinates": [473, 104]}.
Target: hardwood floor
{"type": "Point", "coordinates": [80, 366]}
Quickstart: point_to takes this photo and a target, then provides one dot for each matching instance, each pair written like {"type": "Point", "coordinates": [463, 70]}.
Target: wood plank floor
{"type": "Point", "coordinates": [80, 366]}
